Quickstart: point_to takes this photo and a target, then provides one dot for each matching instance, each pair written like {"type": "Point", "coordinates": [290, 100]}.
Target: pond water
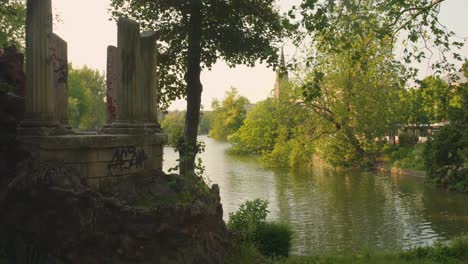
{"type": "Point", "coordinates": [334, 210]}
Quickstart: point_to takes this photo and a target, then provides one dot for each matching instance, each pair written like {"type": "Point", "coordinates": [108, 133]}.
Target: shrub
{"type": "Point", "coordinates": [273, 239]}
{"type": "Point", "coordinates": [440, 252]}
{"type": "Point", "coordinates": [446, 157]}
{"type": "Point", "coordinates": [248, 217]}
{"type": "Point", "coordinates": [248, 253]}
{"type": "Point", "coordinates": [411, 158]}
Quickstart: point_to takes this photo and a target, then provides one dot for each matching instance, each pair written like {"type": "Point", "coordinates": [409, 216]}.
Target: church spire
{"type": "Point", "coordinates": [281, 74]}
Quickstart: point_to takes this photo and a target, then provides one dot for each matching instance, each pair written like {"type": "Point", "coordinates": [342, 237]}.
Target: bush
{"type": "Point", "coordinates": [440, 252]}
{"type": "Point", "coordinates": [250, 215]}
{"type": "Point", "coordinates": [446, 157]}
{"type": "Point", "coordinates": [273, 239]}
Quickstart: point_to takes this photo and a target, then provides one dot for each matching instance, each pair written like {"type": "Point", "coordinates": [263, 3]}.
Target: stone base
{"type": "Point", "coordinates": [99, 159]}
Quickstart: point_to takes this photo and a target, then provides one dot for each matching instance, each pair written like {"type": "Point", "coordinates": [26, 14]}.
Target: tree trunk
{"type": "Point", "coordinates": [188, 149]}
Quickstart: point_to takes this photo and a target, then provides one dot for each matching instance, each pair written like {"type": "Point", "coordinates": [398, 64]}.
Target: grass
{"type": "Point", "coordinates": [408, 157]}
{"type": "Point", "coordinates": [456, 252]}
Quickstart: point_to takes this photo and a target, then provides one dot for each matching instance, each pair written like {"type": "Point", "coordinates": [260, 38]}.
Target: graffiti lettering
{"type": "Point", "coordinates": [126, 158]}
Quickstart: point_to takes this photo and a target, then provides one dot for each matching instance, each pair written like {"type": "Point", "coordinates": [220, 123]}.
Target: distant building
{"type": "Point", "coordinates": [281, 75]}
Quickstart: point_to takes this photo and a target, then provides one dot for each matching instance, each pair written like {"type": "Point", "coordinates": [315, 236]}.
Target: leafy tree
{"type": "Point", "coordinates": [258, 133]}
{"type": "Point", "coordinates": [12, 24]}
{"type": "Point", "coordinates": [86, 91]}
{"type": "Point", "coordinates": [334, 25]}
{"type": "Point", "coordinates": [413, 101]}
{"type": "Point", "coordinates": [193, 34]}
{"type": "Point", "coordinates": [437, 96]}
{"type": "Point", "coordinates": [355, 98]}
{"type": "Point", "coordinates": [356, 77]}
{"type": "Point", "coordinates": [446, 157]}
{"type": "Point", "coordinates": [229, 115]}
{"type": "Point", "coordinates": [280, 130]}
{"type": "Point", "coordinates": [426, 104]}
{"type": "Point", "coordinates": [173, 125]}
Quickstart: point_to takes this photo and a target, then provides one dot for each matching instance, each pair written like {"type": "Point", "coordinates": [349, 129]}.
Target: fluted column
{"type": "Point", "coordinates": [128, 40]}
{"type": "Point", "coordinates": [60, 62]}
{"type": "Point", "coordinates": [40, 96]}
{"type": "Point", "coordinates": [149, 62]}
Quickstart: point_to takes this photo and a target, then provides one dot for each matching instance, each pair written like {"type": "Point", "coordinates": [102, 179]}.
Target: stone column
{"type": "Point", "coordinates": [40, 96]}
{"type": "Point", "coordinates": [149, 62]}
{"type": "Point", "coordinates": [128, 40]}
{"type": "Point", "coordinates": [113, 81]}
{"type": "Point", "coordinates": [60, 62]}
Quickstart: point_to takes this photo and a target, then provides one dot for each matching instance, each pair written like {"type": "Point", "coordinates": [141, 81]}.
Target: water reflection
{"type": "Point", "coordinates": [337, 211]}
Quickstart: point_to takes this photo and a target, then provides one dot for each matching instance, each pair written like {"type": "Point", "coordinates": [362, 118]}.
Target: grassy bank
{"type": "Point", "coordinates": [456, 252]}
{"type": "Point", "coordinates": [406, 157]}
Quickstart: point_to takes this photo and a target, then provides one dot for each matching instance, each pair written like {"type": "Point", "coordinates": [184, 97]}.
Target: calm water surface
{"type": "Point", "coordinates": [337, 211]}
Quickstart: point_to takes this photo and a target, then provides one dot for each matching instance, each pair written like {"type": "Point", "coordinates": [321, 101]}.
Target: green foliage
{"type": "Point", "coordinates": [436, 95]}
{"type": "Point", "coordinates": [280, 130]}
{"type": "Point", "coordinates": [447, 157]}
{"type": "Point", "coordinates": [173, 125]}
{"type": "Point", "coordinates": [12, 24]}
{"type": "Point", "coordinates": [355, 99]}
{"type": "Point", "coordinates": [274, 239]}
{"type": "Point", "coordinates": [454, 252]}
{"type": "Point", "coordinates": [247, 253]}
{"type": "Point", "coordinates": [271, 239]}
{"type": "Point", "coordinates": [228, 116]}
{"type": "Point", "coordinates": [427, 104]}
{"type": "Point", "coordinates": [86, 91]}
{"type": "Point", "coordinates": [355, 80]}
{"type": "Point", "coordinates": [248, 217]}
{"type": "Point", "coordinates": [447, 154]}
{"type": "Point", "coordinates": [258, 133]}
{"type": "Point", "coordinates": [336, 25]}
{"type": "Point", "coordinates": [457, 249]}
{"type": "Point", "coordinates": [410, 157]}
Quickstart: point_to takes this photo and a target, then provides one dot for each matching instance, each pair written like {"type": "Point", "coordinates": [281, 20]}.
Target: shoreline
{"type": "Point", "coordinates": [384, 167]}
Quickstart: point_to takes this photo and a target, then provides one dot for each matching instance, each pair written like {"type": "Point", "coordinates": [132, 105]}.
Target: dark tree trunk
{"type": "Point", "coordinates": [188, 150]}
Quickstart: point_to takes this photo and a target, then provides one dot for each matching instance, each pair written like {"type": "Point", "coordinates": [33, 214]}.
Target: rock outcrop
{"type": "Point", "coordinates": [50, 217]}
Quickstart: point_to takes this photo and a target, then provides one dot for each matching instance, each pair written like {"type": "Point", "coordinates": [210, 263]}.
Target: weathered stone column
{"type": "Point", "coordinates": [40, 96]}
{"type": "Point", "coordinates": [149, 62]}
{"type": "Point", "coordinates": [60, 62]}
{"type": "Point", "coordinates": [113, 81]}
{"type": "Point", "coordinates": [128, 40]}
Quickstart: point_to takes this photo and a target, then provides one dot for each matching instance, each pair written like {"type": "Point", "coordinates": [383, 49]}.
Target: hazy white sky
{"type": "Point", "coordinates": [86, 27]}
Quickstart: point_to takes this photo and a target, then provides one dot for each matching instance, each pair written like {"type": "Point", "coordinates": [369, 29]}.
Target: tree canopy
{"type": "Point", "coordinates": [12, 24]}
{"type": "Point", "coordinates": [86, 93]}
{"type": "Point", "coordinates": [410, 27]}
{"type": "Point", "coordinates": [228, 115]}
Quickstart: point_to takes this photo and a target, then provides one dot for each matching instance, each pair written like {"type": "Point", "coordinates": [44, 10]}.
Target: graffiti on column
{"type": "Point", "coordinates": [125, 159]}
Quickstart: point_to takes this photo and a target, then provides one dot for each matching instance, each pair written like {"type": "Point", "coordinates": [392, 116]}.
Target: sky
{"type": "Point", "coordinates": [86, 26]}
